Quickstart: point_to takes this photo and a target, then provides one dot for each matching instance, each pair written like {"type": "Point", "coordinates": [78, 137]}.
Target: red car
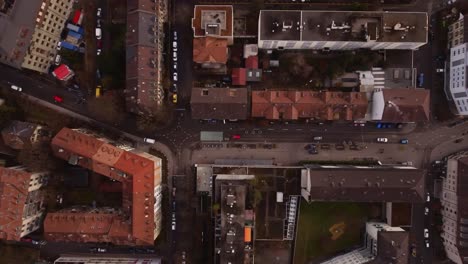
{"type": "Point", "coordinates": [58, 99]}
{"type": "Point", "coordinates": [236, 136]}
{"type": "Point", "coordinates": [25, 239]}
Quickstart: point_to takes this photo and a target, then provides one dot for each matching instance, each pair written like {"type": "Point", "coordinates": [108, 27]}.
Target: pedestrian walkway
{"type": "Point", "coordinates": [379, 77]}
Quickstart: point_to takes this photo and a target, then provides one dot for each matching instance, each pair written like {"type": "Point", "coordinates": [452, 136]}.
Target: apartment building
{"type": "Point", "coordinates": [456, 33]}
{"type": "Point", "coordinates": [137, 221]}
{"type": "Point", "coordinates": [144, 67]}
{"type": "Point", "coordinates": [341, 30]}
{"type": "Point", "coordinates": [456, 82]}
{"type": "Point", "coordinates": [21, 201]}
{"type": "Point", "coordinates": [382, 244]}
{"type": "Point", "coordinates": [454, 210]}
{"type": "Point", "coordinates": [30, 31]}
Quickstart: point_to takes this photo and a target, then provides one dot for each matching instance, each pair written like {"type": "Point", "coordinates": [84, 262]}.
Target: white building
{"type": "Point", "coordinates": [21, 201]}
{"type": "Point", "coordinates": [454, 209]}
{"type": "Point", "coordinates": [341, 30]}
{"type": "Point", "coordinates": [30, 31]}
{"type": "Point", "coordinates": [457, 79]}
{"type": "Point", "coordinates": [377, 236]}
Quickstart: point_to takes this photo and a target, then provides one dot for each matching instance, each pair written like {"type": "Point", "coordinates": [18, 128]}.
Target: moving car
{"type": "Point", "coordinates": [382, 140]}
{"type": "Point", "coordinates": [58, 99]}
{"type": "Point", "coordinates": [149, 140]}
{"type": "Point", "coordinates": [237, 136]}
{"type": "Point", "coordinates": [439, 70]}
{"type": "Point", "coordinates": [426, 233]}
{"type": "Point", "coordinates": [16, 88]}
{"type": "Point", "coordinates": [404, 141]}
{"type": "Point", "coordinates": [318, 138]}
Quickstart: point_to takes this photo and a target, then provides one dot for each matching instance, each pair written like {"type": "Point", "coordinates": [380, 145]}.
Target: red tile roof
{"type": "Point", "coordinates": [239, 76]}
{"type": "Point", "coordinates": [14, 186]}
{"type": "Point", "coordinates": [292, 105]}
{"type": "Point", "coordinates": [406, 105]}
{"type": "Point", "coordinates": [210, 50]}
{"type": "Point", "coordinates": [138, 172]}
{"type": "Point", "coordinates": [251, 62]}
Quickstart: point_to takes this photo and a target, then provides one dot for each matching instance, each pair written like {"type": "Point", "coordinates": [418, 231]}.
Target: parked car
{"type": "Point", "coordinates": [421, 79]}
{"type": "Point", "coordinates": [16, 88]}
{"type": "Point", "coordinates": [174, 98]}
{"type": "Point", "coordinates": [426, 211]}
{"type": "Point", "coordinates": [428, 197]}
{"type": "Point", "coordinates": [102, 250]}
{"type": "Point", "coordinates": [175, 35]}
{"type": "Point", "coordinates": [427, 244]}
{"type": "Point", "coordinates": [149, 140]}
{"type": "Point", "coordinates": [174, 76]}
{"type": "Point", "coordinates": [318, 138]}
{"type": "Point", "coordinates": [99, 12]}
{"type": "Point", "coordinates": [174, 44]}
{"type": "Point", "coordinates": [382, 140]}
{"type": "Point", "coordinates": [98, 52]}
{"type": "Point", "coordinates": [426, 233]}
{"type": "Point", "coordinates": [237, 136]}
{"type": "Point", "coordinates": [404, 141]}
{"type": "Point", "coordinates": [59, 45]}
{"type": "Point", "coordinates": [58, 59]}
{"type": "Point", "coordinates": [174, 88]}
{"type": "Point", "coordinates": [98, 33]}
{"type": "Point", "coordinates": [98, 23]}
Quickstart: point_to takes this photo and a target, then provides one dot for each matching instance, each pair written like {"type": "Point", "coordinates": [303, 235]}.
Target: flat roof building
{"type": "Point", "coordinates": [363, 184]}
{"type": "Point", "coordinates": [22, 201]}
{"type": "Point", "coordinates": [214, 21]}
{"type": "Point", "coordinates": [456, 86]}
{"type": "Point", "coordinates": [341, 30]}
{"type": "Point", "coordinates": [454, 200]}
{"type": "Point", "coordinates": [30, 31]}
{"type": "Point", "coordinates": [138, 221]}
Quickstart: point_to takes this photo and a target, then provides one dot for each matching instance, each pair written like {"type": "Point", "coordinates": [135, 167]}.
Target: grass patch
{"type": "Point", "coordinates": [314, 238]}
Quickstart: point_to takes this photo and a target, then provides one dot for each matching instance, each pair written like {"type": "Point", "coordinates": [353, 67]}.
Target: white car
{"type": "Point", "coordinates": [175, 35]}
{"type": "Point", "coordinates": [102, 250]}
{"type": "Point", "coordinates": [175, 66]}
{"type": "Point", "coordinates": [174, 55]}
{"type": "Point", "coordinates": [149, 140]}
{"type": "Point", "coordinates": [98, 33]}
{"type": "Point", "coordinates": [173, 225]}
{"type": "Point", "coordinates": [318, 138]}
{"type": "Point", "coordinates": [59, 45]}
{"type": "Point", "coordinates": [98, 52]}
{"type": "Point", "coordinates": [174, 44]}
{"type": "Point", "coordinates": [426, 233]}
{"type": "Point", "coordinates": [428, 197]}
{"type": "Point", "coordinates": [174, 76]}
{"type": "Point", "coordinates": [440, 70]}
{"type": "Point", "coordinates": [427, 244]}
{"type": "Point", "coordinates": [382, 140]}
{"type": "Point", "coordinates": [99, 12]}
{"type": "Point", "coordinates": [16, 88]}
{"type": "Point", "coordinates": [58, 59]}
{"type": "Point", "coordinates": [426, 211]}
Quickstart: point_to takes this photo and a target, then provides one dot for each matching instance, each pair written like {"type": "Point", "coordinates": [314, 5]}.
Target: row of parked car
{"type": "Point", "coordinates": [174, 74]}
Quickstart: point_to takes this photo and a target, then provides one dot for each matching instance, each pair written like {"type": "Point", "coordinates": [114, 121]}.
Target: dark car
{"type": "Point", "coordinates": [421, 79]}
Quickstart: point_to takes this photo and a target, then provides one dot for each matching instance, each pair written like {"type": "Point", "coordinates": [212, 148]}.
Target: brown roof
{"type": "Point", "coordinates": [291, 105]}
{"type": "Point", "coordinates": [219, 103]}
{"type": "Point", "coordinates": [138, 172]}
{"type": "Point", "coordinates": [143, 72]}
{"type": "Point", "coordinates": [14, 186]}
{"type": "Point", "coordinates": [197, 26]}
{"type": "Point", "coordinates": [367, 184]}
{"type": "Point", "coordinates": [18, 134]}
{"type": "Point", "coordinates": [210, 50]}
{"type": "Point", "coordinates": [392, 247]}
{"type": "Point", "coordinates": [406, 105]}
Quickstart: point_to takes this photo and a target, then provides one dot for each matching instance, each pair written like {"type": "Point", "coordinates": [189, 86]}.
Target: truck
{"type": "Point", "coordinates": [75, 28]}
{"type": "Point", "coordinates": [69, 46]}
{"type": "Point", "coordinates": [74, 34]}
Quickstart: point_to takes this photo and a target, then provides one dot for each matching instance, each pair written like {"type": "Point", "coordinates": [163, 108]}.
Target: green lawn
{"type": "Point", "coordinates": [313, 236]}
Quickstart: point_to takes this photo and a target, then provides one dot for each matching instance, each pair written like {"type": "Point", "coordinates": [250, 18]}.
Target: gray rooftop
{"type": "Point", "coordinates": [343, 26]}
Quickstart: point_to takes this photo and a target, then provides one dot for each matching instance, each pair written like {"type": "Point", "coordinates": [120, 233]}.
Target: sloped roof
{"type": "Point", "coordinates": [210, 50]}
{"type": "Point", "coordinates": [18, 134]}
{"type": "Point", "coordinates": [251, 62]}
{"type": "Point", "coordinates": [406, 105]}
{"type": "Point", "coordinates": [291, 105]}
{"type": "Point", "coordinates": [239, 76]}
{"type": "Point", "coordinates": [219, 103]}
{"type": "Point", "coordinates": [137, 172]}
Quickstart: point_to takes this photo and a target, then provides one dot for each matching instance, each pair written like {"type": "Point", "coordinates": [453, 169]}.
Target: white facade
{"type": "Point", "coordinates": [449, 202]}
{"type": "Point", "coordinates": [50, 21]}
{"type": "Point", "coordinates": [369, 250]}
{"type": "Point", "coordinates": [457, 79]}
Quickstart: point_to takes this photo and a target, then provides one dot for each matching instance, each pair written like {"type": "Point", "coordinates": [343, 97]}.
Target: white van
{"type": "Point", "coordinates": [98, 33]}
{"type": "Point", "coordinates": [149, 140]}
